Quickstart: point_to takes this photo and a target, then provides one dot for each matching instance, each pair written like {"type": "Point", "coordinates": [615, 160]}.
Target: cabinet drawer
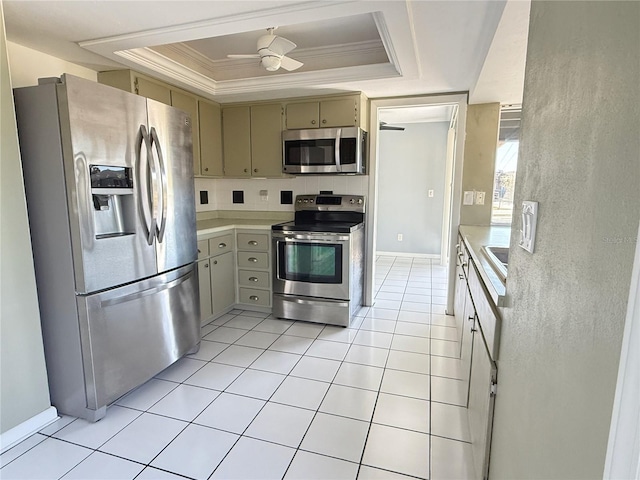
{"type": "Point", "coordinates": [253, 259]}
{"type": "Point", "coordinates": [253, 241]}
{"type": "Point", "coordinates": [250, 296]}
{"type": "Point", "coordinates": [203, 249]}
{"type": "Point", "coordinates": [249, 278]}
{"type": "Point", "coordinates": [221, 244]}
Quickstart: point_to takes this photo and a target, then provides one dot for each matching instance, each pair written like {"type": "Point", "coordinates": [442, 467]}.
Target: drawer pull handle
{"type": "Point", "coordinates": [222, 245]}
{"type": "Point", "coordinates": [199, 251]}
{"type": "Point", "coordinates": [255, 298]}
{"type": "Point", "coordinates": [253, 243]}
{"type": "Point", "coordinates": [460, 276]}
{"type": "Point", "coordinates": [253, 279]}
{"type": "Point", "coordinates": [253, 259]}
{"type": "Point", "coordinates": [206, 265]}
{"type": "Point", "coordinates": [215, 262]}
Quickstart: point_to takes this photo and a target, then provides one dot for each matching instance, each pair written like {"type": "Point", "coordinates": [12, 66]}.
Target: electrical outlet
{"type": "Point", "coordinates": [479, 198]}
{"type": "Point", "coordinates": [399, 237]}
{"type": "Point", "coordinates": [430, 193]}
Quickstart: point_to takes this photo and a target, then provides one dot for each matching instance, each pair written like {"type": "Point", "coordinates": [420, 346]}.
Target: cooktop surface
{"type": "Point", "coordinates": [331, 227]}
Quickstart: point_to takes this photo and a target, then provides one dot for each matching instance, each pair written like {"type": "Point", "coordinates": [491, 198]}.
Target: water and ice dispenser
{"type": "Point", "coordinates": [113, 204]}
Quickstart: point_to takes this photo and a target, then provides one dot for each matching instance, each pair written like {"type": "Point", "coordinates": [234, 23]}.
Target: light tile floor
{"type": "Point", "coordinates": [269, 398]}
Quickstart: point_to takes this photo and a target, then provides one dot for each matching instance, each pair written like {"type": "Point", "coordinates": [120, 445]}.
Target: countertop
{"type": "Point", "coordinates": [476, 237]}
{"type": "Point", "coordinates": [224, 221]}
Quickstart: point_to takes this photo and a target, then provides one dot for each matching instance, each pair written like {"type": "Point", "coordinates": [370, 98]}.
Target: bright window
{"type": "Point", "coordinates": [506, 165]}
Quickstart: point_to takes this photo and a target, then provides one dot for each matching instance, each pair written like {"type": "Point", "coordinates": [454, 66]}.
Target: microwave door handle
{"type": "Point", "coordinates": [162, 173]}
{"type": "Point", "coordinates": [142, 172]}
{"type": "Point", "coordinates": [337, 150]}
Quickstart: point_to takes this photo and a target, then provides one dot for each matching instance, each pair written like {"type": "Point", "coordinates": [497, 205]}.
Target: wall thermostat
{"type": "Point", "coordinates": [529, 221]}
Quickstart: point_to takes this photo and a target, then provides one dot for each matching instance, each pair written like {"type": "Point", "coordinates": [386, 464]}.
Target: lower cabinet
{"type": "Point", "coordinates": [204, 280]}
{"type": "Point", "coordinates": [481, 401]}
{"type": "Point", "coordinates": [216, 275]}
{"type": "Point", "coordinates": [476, 321]}
{"type": "Point", "coordinates": [223, 290]}
{"type": "Point", "coordinates": [254, 274]}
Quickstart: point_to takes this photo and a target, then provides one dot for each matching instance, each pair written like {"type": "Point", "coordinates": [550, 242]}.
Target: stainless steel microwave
{"type": "Point", "coordinates": [324, 150]}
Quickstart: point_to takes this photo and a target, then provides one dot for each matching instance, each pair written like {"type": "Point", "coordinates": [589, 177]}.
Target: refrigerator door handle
{"type": "Point", "coordinates": [162, 172]}
{"type": "Point", "coordinates": [150, 291]}
{"type": "Point", "coordinates": [143, 184]}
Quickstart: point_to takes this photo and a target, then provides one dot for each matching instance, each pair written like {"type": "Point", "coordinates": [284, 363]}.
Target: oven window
{"type": "Point", "coordinates": [310, 262]}
{"type": "Point", "coordinates": [318, 152]}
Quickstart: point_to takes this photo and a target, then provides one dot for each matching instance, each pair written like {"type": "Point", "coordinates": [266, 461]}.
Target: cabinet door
{"type": "Point", "coordinates": [266, 140]}
{"type": "Point", "coordinates": [459, 301]}
{"type": "Point", "coordinates": [204, 280]}
{"type": "Point", "coordinates": [468, 331]}
{"type": "Point", "coordinates": [210, 139]}
{"type": "Point", "coordinates": [303, 115]}
{"type": "Point", "coordinates": [481, 401]}
{"type": "Point", "coordinates": [236, 141]}
{"type": "Point", "coordinates": [189, 104]}
{"type": "Point", "coordinates": [153, 90]}
{"type": "Point", "coordinates": [223, 290]}
{"type": "Point", "coordinates": [338, 113]}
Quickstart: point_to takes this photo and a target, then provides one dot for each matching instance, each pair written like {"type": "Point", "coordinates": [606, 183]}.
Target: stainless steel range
{"type": "Point", "coordinates": [318, 269]}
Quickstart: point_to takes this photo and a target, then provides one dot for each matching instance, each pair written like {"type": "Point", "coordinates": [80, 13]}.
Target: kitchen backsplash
{"type": "Point", "coordinates": [220, 190]}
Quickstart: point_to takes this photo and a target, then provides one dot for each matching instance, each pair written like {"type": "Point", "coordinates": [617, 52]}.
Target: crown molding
{"type": "Point", "coordinates": [318, 58]}
{"type": "Point", "coordinates": [169, 68]}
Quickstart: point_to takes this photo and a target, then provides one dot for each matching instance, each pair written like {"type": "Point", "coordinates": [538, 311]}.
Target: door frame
{"type": "Point", "coordinates": [459, 99]}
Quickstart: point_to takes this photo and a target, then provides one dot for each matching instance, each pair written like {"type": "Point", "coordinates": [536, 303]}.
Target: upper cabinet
{"type": "Point", "coordinates": [252, 140]}
{"type": "Point", "coordinates": [207, 157]}
{"type": "Point", "coordinates": [348, 111]}
{"type": "Point", "coordinates": [210, 139]}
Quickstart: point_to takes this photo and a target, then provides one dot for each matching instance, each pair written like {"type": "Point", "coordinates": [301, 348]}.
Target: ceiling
{"type": "Point", "coordinates": [384, 48]}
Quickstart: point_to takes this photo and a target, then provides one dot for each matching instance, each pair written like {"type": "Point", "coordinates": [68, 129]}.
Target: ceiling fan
{"type": "Point", "coordinates": [386, 126]}
{"type": "Point", "coordinates": [271, 52]}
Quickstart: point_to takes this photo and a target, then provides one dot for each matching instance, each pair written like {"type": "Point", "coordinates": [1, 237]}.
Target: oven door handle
{"type": "Point", "coordinates": [312, 238]}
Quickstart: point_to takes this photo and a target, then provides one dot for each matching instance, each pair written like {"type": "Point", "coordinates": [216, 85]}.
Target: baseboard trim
{"type": "Point", "coordinates": [402, 254]}
{"type": "Point", "coordinates": [18, 433]}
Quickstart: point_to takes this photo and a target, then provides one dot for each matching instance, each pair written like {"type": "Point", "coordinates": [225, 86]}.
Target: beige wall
{"type": "Point", "coordinates": [580, 159]}
{"type": "Point", "coordinates": [24, 392]}
{"type": "Point", "coordinates": [481, 143]}
{"type": "Point", "coordinates": [28, 65]}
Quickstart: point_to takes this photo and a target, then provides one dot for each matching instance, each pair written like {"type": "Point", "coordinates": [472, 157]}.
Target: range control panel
{"type": "Point", "coordinates": [324, 202]}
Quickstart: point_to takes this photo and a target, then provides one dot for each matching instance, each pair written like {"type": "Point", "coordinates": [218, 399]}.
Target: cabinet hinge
{"type": "Point", "coordinates": [135, 86]}
{"type": "Point", "coordinates": [493, 389]}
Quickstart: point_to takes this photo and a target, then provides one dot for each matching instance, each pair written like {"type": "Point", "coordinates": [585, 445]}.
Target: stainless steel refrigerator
{"type": "Point", "coordinates": [110, 196]}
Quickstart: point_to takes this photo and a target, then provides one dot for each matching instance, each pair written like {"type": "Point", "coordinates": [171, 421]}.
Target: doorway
{"type": "Point", "coordinates": [415, 180]}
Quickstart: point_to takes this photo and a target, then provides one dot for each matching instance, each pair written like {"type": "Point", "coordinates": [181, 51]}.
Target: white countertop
{"type": "Point", "coordinates": [476, 237]}
{"type": "Point", "coordinates": [207, 226]}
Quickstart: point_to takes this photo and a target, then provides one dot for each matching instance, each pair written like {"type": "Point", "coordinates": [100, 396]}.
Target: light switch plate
{"type": "Point", "coordinates": [529, 223]}
{"type": "Point", "coordinates": [479, 198]}
{"type": "Point", "coordinates": [468, 198]}
{"type": "Point", "coordinates": [430, 193]}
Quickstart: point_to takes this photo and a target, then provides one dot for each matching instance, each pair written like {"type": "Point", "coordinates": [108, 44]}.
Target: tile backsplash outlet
{"type": "Point", "coordinates": [204, 197]}
{"type": "Point", "coordinates": [286, 197]}
{"type": "Point", "coordinates": [238, 196]}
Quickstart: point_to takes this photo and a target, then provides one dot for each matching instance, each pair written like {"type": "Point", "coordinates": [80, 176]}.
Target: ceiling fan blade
{"type": "Point", "coordinates": [384, 126]}
{"type": "Point", "coordinates": [248, 55]}
{"type": "Point", "coordinates": [290, 64]}
{"type": "Point", "coordinates": [281, 46]}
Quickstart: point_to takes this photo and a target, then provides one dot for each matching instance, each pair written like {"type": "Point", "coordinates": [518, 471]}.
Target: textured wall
{"type": "Point", "coordinates": [24, 392]}
{"type": "Point", "coordinates": [410, 164]}
{"type": "Point", "coordinates": [580, 159]}
{"type": "Point", "coordinates": [480, 145]}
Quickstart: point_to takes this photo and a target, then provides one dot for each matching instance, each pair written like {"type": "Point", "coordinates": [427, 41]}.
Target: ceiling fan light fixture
{"type": "Point", "coordinates": [271, 63]}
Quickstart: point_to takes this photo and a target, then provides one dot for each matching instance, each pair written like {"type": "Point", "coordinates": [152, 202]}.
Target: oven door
{"type": "Point", "coordinates": [311, 264]}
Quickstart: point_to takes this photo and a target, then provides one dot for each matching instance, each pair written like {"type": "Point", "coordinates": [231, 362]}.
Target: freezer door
{"type": "Point", "coordinates": [101, 137]}
{"type": "Point", "coordinates": [131, 333]}
{"type": "Point", "coordinates": [170, 131]}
